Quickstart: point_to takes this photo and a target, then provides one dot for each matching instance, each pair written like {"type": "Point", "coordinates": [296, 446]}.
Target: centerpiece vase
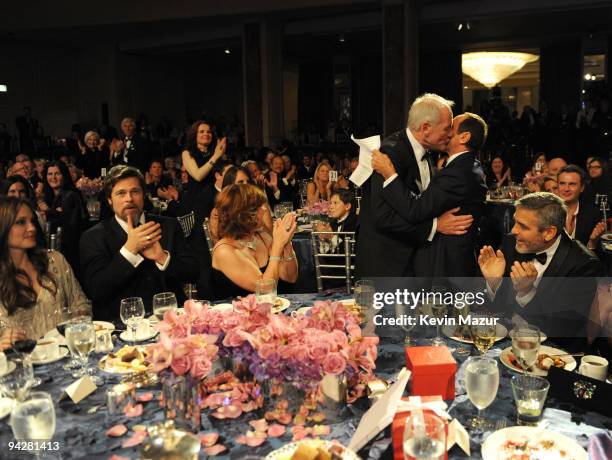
{"type": "Point", "coordinates": [333, 391]}
{"type": "Point", "coordinates": [181, 398]}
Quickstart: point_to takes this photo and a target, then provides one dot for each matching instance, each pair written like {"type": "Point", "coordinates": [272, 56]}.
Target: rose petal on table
{"type": "Point", "coordinates": [118, 457]}
{"type": "Point", "coordinates": [250, 406]}
{"type": "Point", "coordinates": [215, 450]}
{"type": "Point", "coordinates": [136, 439]}
{"type": "Point", "coordinates": [259, 425]}
{"type": "Point", "coordinates": [275, 430]}
{"type": "Point", "coordinates": [137, 428]}
{"type": "Point", "coordinates": [144, 397]}
{"type": "Point", "coordinates": [209, 439]}
{"type": "Point", "coordinates": [285, 418]}
{"type": "Point", "coordinates": [231, 411]}
{"type": "Point", "coordinates": [299, 436]}
{"type": "Point", "coordinates": [255, 438]}
{"type": "Point", "coordinates": [317, 417]}
{"type": "Point", "coordinates": [321, 430]}
{"type": "Point", "coordinates": [133, 410]}
{"type": "Point", "coordinates": [117, 430]}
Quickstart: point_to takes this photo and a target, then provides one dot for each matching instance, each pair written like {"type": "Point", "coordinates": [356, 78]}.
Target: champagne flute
{"type": "Point", "coordinates": [438, 309]}
{"type": "Point", "coordinates": [424, 436]}
{"type": "Point", "coordinates": [526, 345]}
{"type": "Point", "coordinates": [483, 335]}
{"type": "Point", "coordinates": [481, 383]}
{"type": "Point", "coordinates": [16, 382]}
{"type": "Point", "coordinates": [132, 311]}
{"type": "Point", "coordinates": [164, 302]}
{"type": "Point", "coordinates": [33, 419]}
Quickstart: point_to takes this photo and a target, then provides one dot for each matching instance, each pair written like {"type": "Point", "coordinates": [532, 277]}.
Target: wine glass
{"type": "Point", "coordinates": [438, 310]}
{"type": "Point", "coordinates": [33, 419]}
{"type": "Point", "coordinates": [81, 338]}
{"type": "Point", "coordinates": [279, 211]}
{"type": "Point", "coordinates": [69, 314]}
{"type": "Point", "coordinates": [164, 302]}
{"type": "Point", "coordinates": [481, 383]}
{"type": "Point", "coordinates": [132, 311]}
{"type": "Point", "coordinates": [483, 335]}
{"type": "Point", "coordinates": [25, 347]}
{"type": "Point", "coordinates": [404, 312]}
{"type": "Point", "coordinates": [424, 436]}
{"type": "Point", "coordinates": [526, 345]}
{"type": "Point", "coordinates": [16, 382]}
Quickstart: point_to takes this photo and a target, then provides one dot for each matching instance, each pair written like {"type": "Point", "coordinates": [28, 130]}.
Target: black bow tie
{"type": "Point", "coordinates": [539, 257]}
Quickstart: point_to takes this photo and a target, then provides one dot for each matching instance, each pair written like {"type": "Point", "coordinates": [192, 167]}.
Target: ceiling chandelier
{"type": "Point", "coordinates": [489, 68]}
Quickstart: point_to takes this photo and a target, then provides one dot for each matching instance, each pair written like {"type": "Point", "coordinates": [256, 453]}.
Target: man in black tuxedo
{"type": "Point", "coordinates": [461, 183]}
{"type": "Point", "coordinates": [542, 274]}
{"type": "Point", "coordinates": [129, 255]}
{"type": "Point", "coordinates": [136, 150]}
{"type": "Point", "coordinates": [584, 219]}
{"type": "Point", "coordinates": [386, 242]}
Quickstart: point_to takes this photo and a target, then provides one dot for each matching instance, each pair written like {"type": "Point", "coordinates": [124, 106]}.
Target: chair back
{"type": "Point", "coordinates": [334, 257]}
{"type": "Point", "coordinates": [207, 234]}
{"type": "Point", "coordinates": [187, 222]}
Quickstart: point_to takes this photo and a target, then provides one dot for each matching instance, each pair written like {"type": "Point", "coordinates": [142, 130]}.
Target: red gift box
{"type": "Point", "coordinates": [433, 371]}
{"type": "Point", "coordinates": [397, 432]}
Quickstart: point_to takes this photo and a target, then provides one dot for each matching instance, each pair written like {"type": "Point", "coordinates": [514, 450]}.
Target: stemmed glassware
{"type": "Point", "coordinates": [483, 336]}
{"type": "Point", "coordinates": [23, 348]}
{"type": "Point", "coordinates": [481, 383]}
{"type": "Point", "coordinates": [526, 345]}
{"type": "Point", "coordinates": [18, 379]}
{"type": "Point", "coordinates": [438, 310]}
{"type": "Point", "coordinates": [81, 339]}
{"type": "Point", "coordinates": [163, 302]}
{"type": "Point", "coordinates": [403, 312]}
{"type": "Point", "coordinates": [33, 419]}
{"type": "Point", "coordinates": [132, 311]}
{"type": "Point", "coordinates": [68, 314]}
{"type": "Point", "coordinates": [424, 436]}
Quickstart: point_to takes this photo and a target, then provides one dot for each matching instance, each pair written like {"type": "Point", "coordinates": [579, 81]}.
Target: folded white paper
{"type": "Point", "coordinates": [364, 169]}
{"type": "Point", "coordinates": [458, 435]}
{"type": "Point", "coordinates": [79, 389]}
{"type": "Point", "coordinates": [381, 414]}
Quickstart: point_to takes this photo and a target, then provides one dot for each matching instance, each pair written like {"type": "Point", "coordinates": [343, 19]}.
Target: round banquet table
{"type": "Point", "coordinates": [80, 428]}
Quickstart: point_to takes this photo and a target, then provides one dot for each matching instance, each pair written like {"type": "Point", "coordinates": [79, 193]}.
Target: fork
{"type": "Point", "coordinates": [501, 424]}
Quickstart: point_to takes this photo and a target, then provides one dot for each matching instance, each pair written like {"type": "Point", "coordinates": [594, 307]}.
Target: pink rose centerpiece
{"type": "Point", "coordinates": [89, 187]}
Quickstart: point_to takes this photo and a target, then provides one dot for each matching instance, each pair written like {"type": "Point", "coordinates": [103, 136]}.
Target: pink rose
{"type": "Point", "coordinates": [340, 338]}
{"type": "Point", "coordinates": [181, 365]}
{"type": "Point", "coordinates": [200, 366]}
{"type": "Point", "coordinates": [334, 364]}
{"type": "Point", "coordinates": [234, 338]}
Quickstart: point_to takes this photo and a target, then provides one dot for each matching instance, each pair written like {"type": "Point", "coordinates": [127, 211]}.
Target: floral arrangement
{"type": "Point", "coordinates": [318, 208]}
{"type": "Point", "coordinates": [89, 187]}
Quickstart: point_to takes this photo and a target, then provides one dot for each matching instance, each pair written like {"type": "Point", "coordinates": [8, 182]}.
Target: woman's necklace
{"type": "Point", "coordinates": [249, 244]}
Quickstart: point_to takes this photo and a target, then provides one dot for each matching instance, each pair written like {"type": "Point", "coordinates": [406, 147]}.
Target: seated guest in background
{"type": "Point", "coordinates": [342, 211]}
{"type": "Point", "coordinates": [320, 187]}
{"type": "Point", "coordinates": [39, 168]}
{"type": "Point", "coordinates": [18, 187]}
{"type": "Point", "coordinates": [535, 176]}
{"type": "Point", "coordinates": [246, 252]}
{"type": "Point", "coordinates": [130, 254]}
{"type": "Point", "coordinates": [584, 219]}
{"type": "Point", "coordinates": [551, 185]}
{"type": "Point", "coordinates": [255, 173]}
{"type": "Point", "coordinates": [221, 167]}
{"type": "Point", "coordinates": [64, 207]}
{"type": "Point", "coordinates": [94, 155]}
{"type": "Point", "coordinates": [157, 182]}
{"type": "Point", "coordinates": [499, 174]}
{"type": "Point", "coordinates": [532, 274]}
{"type": "Point", "coordinates": [34, 283]}
{"type": "Point", "coordinates": [235, 175]}
{"type": "Point", "coordinates": [555, 165]}
{"type": "Point", "coordinates": [29, 171]}
{"type": "Point", "coordinates": [306, 169]}
{"type": "Point", "coordinates": [279, 186]}
{"type": "Point", "coordinates": [599, 182]}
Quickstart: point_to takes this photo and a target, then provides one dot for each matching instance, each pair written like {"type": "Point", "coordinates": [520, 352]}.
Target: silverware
{"type": "Point", "coordinates": [575, 355]}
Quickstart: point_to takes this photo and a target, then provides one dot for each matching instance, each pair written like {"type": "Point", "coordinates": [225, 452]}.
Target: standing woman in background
{"type": "Point", "coordinates": [199, 159]}
{"type": "Point", "coordinates": [64, 208]}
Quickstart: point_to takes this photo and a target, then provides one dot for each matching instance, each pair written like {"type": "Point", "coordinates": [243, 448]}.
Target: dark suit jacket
{"type": "Point", "coordinates": [586, 220]}
{"type": "Point", "coordinates": [109, 277]}
{"type": "Point", "coordinates": [139, 154]}
{"type": "Point", "coordinates": [564, 296]}
{"type": "Point", "coordinates": [386, 242]}
{"type": "Point", "coordinates": [460, 184]}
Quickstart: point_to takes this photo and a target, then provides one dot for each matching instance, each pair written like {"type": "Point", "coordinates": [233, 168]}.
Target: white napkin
{"type": "Point", "coordinates": [364, 169]}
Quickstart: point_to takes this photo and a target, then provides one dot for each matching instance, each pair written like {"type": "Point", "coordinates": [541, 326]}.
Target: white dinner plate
{"type": "Point", "coordinates": [449, 331]}
{"type": "Point", "coordinates": [63, 352]}
{"type": "Point", "coordinates": [223, 307]}
{"type": "Point", "coordinates": [126, 336]}
{"type": "Point", "coordinates": [287, 451]}
{"type": "Point", "coordinates": [284, 304]}
{"type": "Point", "coordinates": [494, 447]}
{"type": "Point", "coordinates": [606, 237]}
{"type": "Point", "coordinates": [104, 325]}
{"type": "Point", "coordinates": [6, 405]}
{"type": "Point", "coordinates": [570, 362]}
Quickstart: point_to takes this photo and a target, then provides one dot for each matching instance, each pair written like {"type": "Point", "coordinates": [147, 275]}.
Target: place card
{"type": "Point", "coordinates": [457, 434]}
{"type": "Point", "coordinates": [79, 389]}
{"type": "Point", "coordinates": [381, 414]}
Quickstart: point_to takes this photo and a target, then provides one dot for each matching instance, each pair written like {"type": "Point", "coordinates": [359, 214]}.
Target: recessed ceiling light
{"type": "Point", "coordinates": [3, 89]}
{"type": "Point", "coordinates": [227, 51]}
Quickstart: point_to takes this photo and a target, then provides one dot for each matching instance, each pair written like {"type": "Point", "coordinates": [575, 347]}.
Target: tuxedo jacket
{"type": "Point", "coordinates": [139, 154]}
{"type": "Point", "coordinates": [564, 295]}
{"type": "Point", "coordinates": [460, 184]}
{"type": "Point", "coordinates": [109, 277]}
{"type": "Point", "coordinates": [586, 220]}
{"type": "Point", "coordinates": [386, 242]}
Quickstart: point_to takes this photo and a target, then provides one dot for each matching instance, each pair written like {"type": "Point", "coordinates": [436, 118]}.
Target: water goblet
{"type": "Point", "coordinates": [132, 311]}
{"type": "Point", "coordinates": [481, 383]}
{"type": "Point", "coordinates": [162, 303]}
{"type": "Point", "coordinates": [424, 436]}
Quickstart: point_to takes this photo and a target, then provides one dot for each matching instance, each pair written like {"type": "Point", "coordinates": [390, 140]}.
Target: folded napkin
{"type": "Point", "coordinates": [600, 446]}
{"type": "Point", "coordinates": [364, 168]}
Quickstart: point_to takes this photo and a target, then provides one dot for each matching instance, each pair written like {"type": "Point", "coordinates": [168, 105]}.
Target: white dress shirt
{"type": "Point", "coordinates": [136, 259]}
{"type": "Point", "coordinates": [419, 154]}
{"type": "Point", "coordinates": [573, 234]}
{"type": "Point", "coordinates": [454, 156]}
